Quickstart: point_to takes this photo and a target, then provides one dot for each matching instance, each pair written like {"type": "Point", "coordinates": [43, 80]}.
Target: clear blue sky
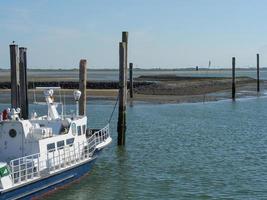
{"type": "Point", "coordinates": [162, 33]}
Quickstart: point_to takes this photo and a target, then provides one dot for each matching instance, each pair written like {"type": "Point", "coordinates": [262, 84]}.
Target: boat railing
{"type": "Point", "coordinates": [25, 168]}
{"type": "Point", "coordinates": [69, 155]}
{"type": "Point", "coordinates": [102, 134]}
{"type": "Point", "coordinates": [37, 165]}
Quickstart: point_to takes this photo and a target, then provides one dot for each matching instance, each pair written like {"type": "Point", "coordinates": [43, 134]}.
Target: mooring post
{"type": "Point", "coordinates": [14, 75]}
{"type": "Point", "coordinates": [23, 83]}
{"type": "Point", "coordinates": [121, 127]}
{"type": "Point", "coordinates": [258, 72]}
{"type": "Point", "coordinates": [82, 86]}
{"type": "Point", "coordinates": [233, 78]}
{"type": "Point", "coordinates": [131, 79]}
{"type": "Point", "coordinates": [125, 36]}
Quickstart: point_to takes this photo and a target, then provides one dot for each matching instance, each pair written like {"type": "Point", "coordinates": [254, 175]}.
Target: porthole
{"type": "Point", "coordinates": [12, 133]}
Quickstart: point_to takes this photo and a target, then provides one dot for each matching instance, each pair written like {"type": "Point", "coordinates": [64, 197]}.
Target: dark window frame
{"type": "Point", "coordinates": [60, 144]}
{"type": "Point", "coordinates": [51, 147]}
{"type": "Point", "coordinates": [70, 141]}
{"type": "Point", "coordinates": [79, 130]}
{"type": "Point", "coordinates": [84, 128]}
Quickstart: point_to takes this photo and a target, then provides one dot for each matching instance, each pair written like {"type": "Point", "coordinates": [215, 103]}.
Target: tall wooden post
{"type": "Point", "coordinates": [131, 79]}
{"type": "Point", "coordinates": [125, 36]}
{"type": "Point", "coordinates": [233, 78]}
{"type": "Point", "coordinates": [23, 83]}
{"type": "Point", "coordinates": [14, 75]}
{"type": "Point", "coordinates": [121, 127]}
{"type": "Point", "coordinates": [82, 86]}
{"type": "Point", "coordinates": [258, 72]}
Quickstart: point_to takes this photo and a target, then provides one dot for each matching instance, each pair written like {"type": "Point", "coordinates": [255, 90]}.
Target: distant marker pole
{"type": "Point", "coordinates": [131, 79]}
{"type": "Point", "coordinates": [233, 79]}
{"type": "Point", "coordinates": [258, 73]}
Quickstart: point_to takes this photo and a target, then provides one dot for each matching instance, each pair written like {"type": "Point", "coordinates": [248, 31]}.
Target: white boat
{"type": "Point", "coordinates": [42, 153]}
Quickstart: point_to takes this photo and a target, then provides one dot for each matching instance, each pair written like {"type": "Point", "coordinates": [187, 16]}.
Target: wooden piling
{"type": "Point", "coordinates": [258, 72]}
{"type": "Point", "coordinates": [14, 75]}
{"type": "Point", "coordinates": [125, 36]}
{"type": "Point", "coordinates": [23, 83]}
{"type": "Point", "coordinates": [131, 79]}
{"type": "Point", "coordinates": [82, 86]}
{"type": "Point", "coordinates": [121, 126]}
{"type": "Point", "coordinates": [233, 79]}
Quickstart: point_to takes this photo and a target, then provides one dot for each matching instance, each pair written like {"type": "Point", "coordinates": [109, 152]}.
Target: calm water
{"type": "Point", "coordinates": [186, 151]}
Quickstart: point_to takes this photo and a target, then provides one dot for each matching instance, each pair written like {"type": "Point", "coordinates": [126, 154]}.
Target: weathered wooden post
{"type": "Point", "coordinates": [124, 38]}
{"type": "Point", "coordinates": [131, 79]}
{"type": "Point", "coordinates": [121, 127]}
{"type": "Point", "coordinates": [258, 72]}
{"type": "Point", "coordinates": [14, 75]}
{"type": "Point", "coordinates": [233, 78]}
{"type": "Point", "coordinates": [23, 83]}
{"type": "Point", "coordinates": [82, 86]}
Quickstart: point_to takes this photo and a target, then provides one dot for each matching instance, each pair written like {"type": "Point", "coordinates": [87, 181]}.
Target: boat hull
{"type": "Point", "coordinates": [49, 183]}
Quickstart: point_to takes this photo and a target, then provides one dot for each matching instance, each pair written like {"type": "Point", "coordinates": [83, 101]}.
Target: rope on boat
{"type": "Point", "coordinates": [110, 118]}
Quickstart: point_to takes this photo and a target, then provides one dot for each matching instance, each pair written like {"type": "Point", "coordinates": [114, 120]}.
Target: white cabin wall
{"type": "Point", "coordinates": [54, 124]}
{"type": "Point", "coordinates": [11, 147]}
{"type": "Point", "coordinates": [21, 145]}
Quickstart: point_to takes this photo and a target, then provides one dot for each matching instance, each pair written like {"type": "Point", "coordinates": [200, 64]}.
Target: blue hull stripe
{"type": "Point", "coordinates": [47, 184]}
{"type": "Point", "coordinates": [41, 188]}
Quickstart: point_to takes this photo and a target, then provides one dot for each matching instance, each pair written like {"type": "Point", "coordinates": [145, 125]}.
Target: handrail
{"type": "Point", "coordinates": [32, 166]}
{"type": "Point", "coordinates": [102, 134]}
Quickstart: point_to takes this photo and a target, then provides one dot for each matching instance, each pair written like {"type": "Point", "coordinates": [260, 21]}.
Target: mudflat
{"type": "Point", "coordinates": [160, 89]}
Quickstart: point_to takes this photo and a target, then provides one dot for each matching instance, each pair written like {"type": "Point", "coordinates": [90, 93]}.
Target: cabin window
{"type": "Point", "coordinates": [4, 171]}
{"type": "Point", "coordinates": [73, 129]}
{"type": "Point", "coordinates": [60, 144]}
{"type": "Point", "coordinates": [51, 147]}
{"type": "Point", "coordinates": [12, 133]}
{"type": "Point", "coordinates": [70, 141]}
{"type": "Point", "coordinates": [84, 129]}
{"type": "Point", "coordinates": [79, 130]}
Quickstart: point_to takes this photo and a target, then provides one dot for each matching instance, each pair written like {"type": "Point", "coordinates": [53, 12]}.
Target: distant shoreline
{"type": "Point", "coordinates": [139, 69]}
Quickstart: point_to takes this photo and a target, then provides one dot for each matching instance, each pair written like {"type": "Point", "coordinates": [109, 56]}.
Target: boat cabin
{"type": "Point", "coordinates": [20, 137]}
